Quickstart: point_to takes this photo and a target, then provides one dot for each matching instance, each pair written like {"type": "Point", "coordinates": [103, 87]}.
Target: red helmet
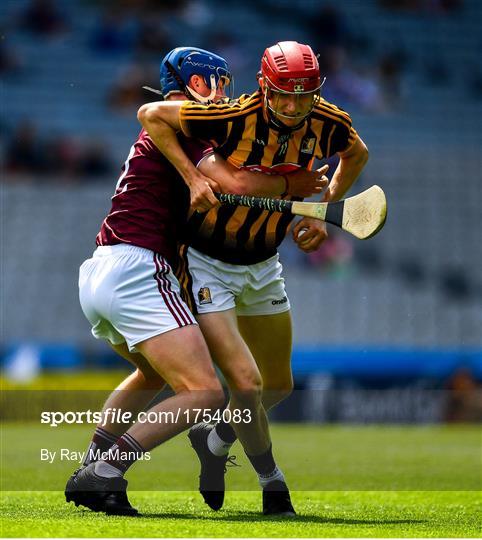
{"type": "Point", "coordinates": [291, 67]}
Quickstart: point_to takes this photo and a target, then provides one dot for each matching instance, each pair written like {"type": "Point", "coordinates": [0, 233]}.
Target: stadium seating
{"type": "Point", "coordinates": [425, 153]}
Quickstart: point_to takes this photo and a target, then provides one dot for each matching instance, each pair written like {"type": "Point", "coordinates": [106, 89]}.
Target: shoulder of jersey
{"type": "Point", "coordinates": [245, 104]}
{"type": "Point", "coordinates": [144, 140]}
{"type": "Point", "coordinates": [323, 109]}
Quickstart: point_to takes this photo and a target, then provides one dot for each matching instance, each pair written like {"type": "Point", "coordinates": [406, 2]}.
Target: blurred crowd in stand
{"type": "Point", "coordinates": [372, 86]}
{"type": "Point", "coordinates": [60, 157]}
{"type": "Point", "coordinates": [138, 32]}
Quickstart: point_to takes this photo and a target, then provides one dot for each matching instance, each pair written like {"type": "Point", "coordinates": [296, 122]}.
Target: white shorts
{"type": "Point", "coordinates": [130, 294]}
{"type": "Point", "coordinates": [255, 289]}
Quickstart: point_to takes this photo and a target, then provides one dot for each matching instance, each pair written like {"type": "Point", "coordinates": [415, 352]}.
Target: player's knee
{"type": "Point", "coordinates": [248, 387]}
{"type": "Point", "coordinates": [216, 398]}
{"type": "Point", "coordinates": [208, 394]}
{"type": "Point", "coordinates": [213, 391]}
{"type": "Point", "coordinates": [207, 386]}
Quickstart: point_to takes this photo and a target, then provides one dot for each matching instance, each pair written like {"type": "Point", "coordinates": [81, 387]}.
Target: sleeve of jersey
{"type": "Point", "coordinates": [195, 150]}
{"type": "Point", "coordinates": [343, 138]}
{"type": "Point", "coordinates": [338, 133]}
{"type": "Point", "coordinates": [210, 123]}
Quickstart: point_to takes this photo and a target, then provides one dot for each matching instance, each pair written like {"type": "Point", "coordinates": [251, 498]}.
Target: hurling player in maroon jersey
{"type": "Point", "coordinates": [130, 296]}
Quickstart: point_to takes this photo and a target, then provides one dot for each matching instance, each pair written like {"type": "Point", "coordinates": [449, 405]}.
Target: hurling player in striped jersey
{"type": "Point", "coordinates": [231, 261]}
{"type": "Point", "coordinates": [131, 298]}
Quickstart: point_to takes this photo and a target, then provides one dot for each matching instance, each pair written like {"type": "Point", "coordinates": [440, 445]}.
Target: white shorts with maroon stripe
{"type": "Point", "coordinates": [130, 294]}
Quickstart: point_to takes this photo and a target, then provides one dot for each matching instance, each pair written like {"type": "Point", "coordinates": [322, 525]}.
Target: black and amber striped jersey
{"type": "Point", "coordinates": [242, 133]}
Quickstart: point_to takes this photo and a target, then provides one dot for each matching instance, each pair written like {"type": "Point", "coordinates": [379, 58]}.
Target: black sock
{"type": "Point", "coordinates": [100, 443]}
{"type": "Point", "coordinates": [263, 464]}
{"type": "Point", "coordinates": [225, 432]}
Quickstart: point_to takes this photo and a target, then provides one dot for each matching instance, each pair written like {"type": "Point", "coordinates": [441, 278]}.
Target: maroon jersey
{"type": "Point", "coordinates": [151, 201]}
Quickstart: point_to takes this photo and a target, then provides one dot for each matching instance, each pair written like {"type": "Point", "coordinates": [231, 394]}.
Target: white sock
{"type": "Point", "coordinates": [107, 470]}
{"type": "Point", "coordinates": [265, 479]}
{"type": "Point", "coordinates": [216, 445]}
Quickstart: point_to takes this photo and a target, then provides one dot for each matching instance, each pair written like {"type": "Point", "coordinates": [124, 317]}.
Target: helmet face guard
{"type": "Point", "coordinates": [219, 79]}
{"type": "Point", "coordinates": [301, 101]}
{"type": "Point", "coordinates": [182, 63]}
{"type": "Point", "coordinates": [290, 73]}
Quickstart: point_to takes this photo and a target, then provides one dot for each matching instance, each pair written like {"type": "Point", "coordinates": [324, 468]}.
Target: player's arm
{"type": "Point", "coordinates": [352, 162]}
{"type": "Point", "coordinates": [161, 120]}
{"type": "Point", "coordinates": [310, 233]}
{"type": "Point", "coordinates": [230, 179]}
{"type": "Point", "coordinates": [241, 182]}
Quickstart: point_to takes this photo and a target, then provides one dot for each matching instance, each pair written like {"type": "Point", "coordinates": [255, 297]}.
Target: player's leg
{"type": "Point", "coordinates": [137, 390]}
{"type": "Point", "coordinates": [133, 394]}
{"type": "Point", "coordinates": [234, 359]}
{"type": "Point", "coordinates": [264, 320]}
{"type": "Point", "coordinates": [129, 294]}
{"type": "Point", "coordinates": [239, 368]}
{"type": "Point", "coordinates": [216, 286]}
{"type": "Point", "coordinates": [273, 355]}
{"type": "Point", "coordinates": [244, 381]}
{"type": "Point", "coordinates": [181, 358]}
{"type": "Point", "coordinates": [98, 278]}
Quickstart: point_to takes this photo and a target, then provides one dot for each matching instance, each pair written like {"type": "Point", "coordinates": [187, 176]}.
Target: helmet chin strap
{"type": "Point", "coordinates": [279, 123]}
{"type": "Point", "coordinates": [204, 99]}
{"type": "Point", "coordinates": [274, 115]}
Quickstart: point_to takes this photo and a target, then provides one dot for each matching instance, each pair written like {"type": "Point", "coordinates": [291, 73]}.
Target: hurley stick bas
{"type": "Point", "coordinates": [362, 215]}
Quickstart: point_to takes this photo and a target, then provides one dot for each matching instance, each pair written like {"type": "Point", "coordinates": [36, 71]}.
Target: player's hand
{"type": "Point", "coordinates": [309, 234]}
{"type": "Point", "coordinates": [304, 183]}
{"type": "Point", "coordinates": [202, 193]}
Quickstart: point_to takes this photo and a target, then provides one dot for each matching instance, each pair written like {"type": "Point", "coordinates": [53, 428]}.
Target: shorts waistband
{"type": "Point", "coordinates": [105, 251]}
{"type": "Point", "coordinates": [216, 262]}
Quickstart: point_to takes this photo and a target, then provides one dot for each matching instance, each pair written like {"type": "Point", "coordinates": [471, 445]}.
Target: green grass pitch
{"type": "Point", "coordinates": [348, 481]}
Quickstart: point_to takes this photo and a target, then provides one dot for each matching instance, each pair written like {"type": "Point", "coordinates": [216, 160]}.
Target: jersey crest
{"type": "Point", "coordinates": [204, 296]}
{"type": "Point", "coordinates": [308, 145]}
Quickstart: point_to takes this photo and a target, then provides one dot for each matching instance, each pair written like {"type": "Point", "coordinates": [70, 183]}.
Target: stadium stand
{"type": "Point", "coordinates": [418, 284]}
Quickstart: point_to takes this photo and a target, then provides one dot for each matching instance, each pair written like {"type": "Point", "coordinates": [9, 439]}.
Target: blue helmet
{"type": "Point", "coordinates": [181, 63]}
